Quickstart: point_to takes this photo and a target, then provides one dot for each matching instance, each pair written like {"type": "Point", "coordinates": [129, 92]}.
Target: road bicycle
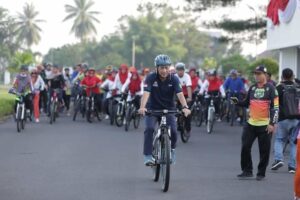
{"type": "Point", "coordinates": [131, 114]}
{"type": "Point", "coordinates": [162, 148]}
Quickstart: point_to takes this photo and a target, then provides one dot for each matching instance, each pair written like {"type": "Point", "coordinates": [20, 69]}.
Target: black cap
{"type": "Point", "coordinates": [260, 68]}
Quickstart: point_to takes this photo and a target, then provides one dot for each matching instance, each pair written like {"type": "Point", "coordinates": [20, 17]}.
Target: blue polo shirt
{"type": "Point", "coordinates": [162, 93]}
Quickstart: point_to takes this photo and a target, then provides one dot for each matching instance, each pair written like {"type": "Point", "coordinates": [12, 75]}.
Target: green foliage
{"type": "Point", "coordinates": [209, 63]}
{"type": "Point", "coordinates": [28, 29]}
{"type": "Point", "coordinates": [84, 19]}
{"type": "Point", "coordinates": [272, 65]}
{"type": "Point", "coordinates": [21, 58]}
{"type": "Point", "coordinates": [200, 5]}
{"type": "Point", "coordinates": [66, 55]}
{"type": "Point", "coordinates": [252, 29]}
{"type": "Point", "coordinates": [6, 103]}
{"type": "Point", "coordinates": [237, 62]}
{"type": "Point", "coordinates": [8, 40]}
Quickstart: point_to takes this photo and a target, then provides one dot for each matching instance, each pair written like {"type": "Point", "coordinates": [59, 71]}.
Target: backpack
{"type": "Point", "coordinates": [291, 101]}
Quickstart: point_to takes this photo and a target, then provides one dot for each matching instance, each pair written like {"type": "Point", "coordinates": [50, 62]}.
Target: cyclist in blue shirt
{"type": "Point", "coordinates": [159, 92]}
{"type": "Point", "coordinates": [234, 85]}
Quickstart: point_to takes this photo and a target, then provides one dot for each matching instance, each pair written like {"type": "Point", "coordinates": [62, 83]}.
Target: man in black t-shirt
{"type": "Point", "coordinates": [159, 91]}
{"type": "Point", "coordinates": [56, 81]}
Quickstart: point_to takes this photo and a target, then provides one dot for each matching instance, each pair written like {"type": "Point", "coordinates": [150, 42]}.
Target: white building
{"type": "Point", "coordinates": [285, 36]}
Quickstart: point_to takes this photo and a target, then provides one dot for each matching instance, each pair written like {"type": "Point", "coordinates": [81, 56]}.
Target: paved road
{"type": "Point", "coordinates": [81, 161]}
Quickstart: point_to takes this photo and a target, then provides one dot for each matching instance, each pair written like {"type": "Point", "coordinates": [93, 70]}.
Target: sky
{"type": "Point", "coordinates": [56, 33]}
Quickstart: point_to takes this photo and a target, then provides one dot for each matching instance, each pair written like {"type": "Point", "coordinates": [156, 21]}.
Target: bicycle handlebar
{"type": "Point", "coordinates": [162, 112]}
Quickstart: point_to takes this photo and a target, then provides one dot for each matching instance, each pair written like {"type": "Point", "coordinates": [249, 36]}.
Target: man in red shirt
{"type": "Point", "coordinates": [92, 83]}
{"type": "Point", "coordinates": [196, 82]}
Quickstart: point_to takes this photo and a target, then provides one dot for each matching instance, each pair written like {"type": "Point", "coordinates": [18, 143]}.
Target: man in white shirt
{"type": "Point", "coordinates": [186, 84]}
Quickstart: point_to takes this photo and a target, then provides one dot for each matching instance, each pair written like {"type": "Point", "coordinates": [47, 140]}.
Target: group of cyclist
{"type": "Point", "coordinates": [42, 82]}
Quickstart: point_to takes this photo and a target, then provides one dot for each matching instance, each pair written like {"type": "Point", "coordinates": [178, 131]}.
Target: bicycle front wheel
{"type": "Point", "coordinates": [183, 132]}
{"type": "Point", "coordinates": [136, 120]}
{"type": "Point", "coordinates": [119, 116]}
{"type": "Point", "coordinates": [210, 121]}
{"type": "Point", "coordinates": [232, 115]}
{"type": "Point", "coordinates": [198, 117]}
{"type": "Point", "coordinates": [19, 119]}
{"type": "Point", "coordinates": [165, 161]}
{"type": "Point", "coordinates": [76, 108]}
{"type": "Point", "coordinates": [127, 118]}
{"type": "Point", "coordinates": [52, 113]}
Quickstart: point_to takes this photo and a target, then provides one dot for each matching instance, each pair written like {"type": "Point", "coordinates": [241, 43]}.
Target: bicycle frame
{"type": "Point", "coordinates": [20, 104]}
{"type": "Point", "coordinates": [211, 108]}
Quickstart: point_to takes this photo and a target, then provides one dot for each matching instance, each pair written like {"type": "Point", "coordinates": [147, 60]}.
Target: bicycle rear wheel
{"type": "Point", "coordinates": [165, 161]}
{"type": "Point", "coordinates": [23, 121]}
{"type": "Point", "coordinates": [198, 117]}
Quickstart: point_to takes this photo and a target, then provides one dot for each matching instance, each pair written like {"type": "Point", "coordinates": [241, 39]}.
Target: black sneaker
{"type": "Point", "coordinates": [245, 175]}
{"type": "Point", "coordinates": [260, 177]}
{"type": "Point", "coordinates": [292, 170]}
{"type": "Point", "coordinates": [277, 164]}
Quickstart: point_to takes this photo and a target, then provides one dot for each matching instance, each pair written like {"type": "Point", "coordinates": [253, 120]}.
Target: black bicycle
{"type": "Point", "coordinates": [131, 114]}
{"type": "Point", "coordinates": [162, 148]}
{"type": "Point", "coordinates": [211, 112]}
{"type": "Point", "coordinates": [181, 127]}
{"type": "Point", "coordinates": [54, 105]}
{"type": "Point", "coordinates": [197, 111]}
{"type": "Point", "coordinates": [91, 109]}
{"type": "Point", "coordinates": [120, 107]}
{"type": "Point", "coordinates": [79, 103]}
{"type": "Point", "coordinates": [21, 114]}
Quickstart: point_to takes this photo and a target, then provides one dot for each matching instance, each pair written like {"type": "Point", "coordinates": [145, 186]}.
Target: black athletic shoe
{"type": "Point", "coordinates": [260, 177]}
{"type": "Point", "coordinates": [277, 164]}
{"type": "Point", "coordinates": [292, 170]}
{"type": "Point", "coordinates": [245, 175]}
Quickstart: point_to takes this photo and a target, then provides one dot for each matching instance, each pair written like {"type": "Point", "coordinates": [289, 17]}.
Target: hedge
{"type": "Point", "coordinates": [7, 102]}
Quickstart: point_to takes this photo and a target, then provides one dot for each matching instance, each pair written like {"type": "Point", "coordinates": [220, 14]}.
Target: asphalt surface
{"type": "Point", "coordinates": [81, 161]}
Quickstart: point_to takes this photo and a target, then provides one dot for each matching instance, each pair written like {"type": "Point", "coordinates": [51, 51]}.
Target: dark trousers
{"type": "Point", "coordinates": [43, 99]}
{"type": "Point", "coordinates": [67, 99]}
{"type": "Point", "coordinates": [250, 133]}
{"type": "Point", "coordinates": [150, 122]}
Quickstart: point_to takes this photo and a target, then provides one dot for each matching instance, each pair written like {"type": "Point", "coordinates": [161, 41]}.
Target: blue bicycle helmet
{"type": "Point", "coordinates": [24, 68]}
{"type": "Point", "coordinates": [162, 60]}
{"type": "Point", "coordinates": [233, 72]}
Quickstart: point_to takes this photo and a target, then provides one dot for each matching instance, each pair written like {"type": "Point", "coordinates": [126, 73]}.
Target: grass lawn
{"type": "Point", "coordinates": [6, 102]}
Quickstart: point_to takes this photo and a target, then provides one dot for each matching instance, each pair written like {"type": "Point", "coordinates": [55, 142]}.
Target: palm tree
{"type": "Point", "coordinates": [84, 19]}
{"type": "Point", "coordinates": [28, 29]}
